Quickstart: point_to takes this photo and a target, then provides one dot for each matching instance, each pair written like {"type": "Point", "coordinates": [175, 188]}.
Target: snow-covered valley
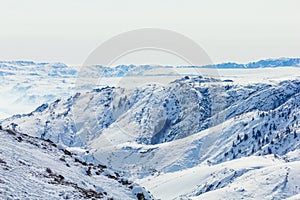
{"type": "Point", "coordinates": [228, 131]}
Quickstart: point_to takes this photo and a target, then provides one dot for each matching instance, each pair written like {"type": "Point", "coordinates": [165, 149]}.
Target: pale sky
{"type": "Point", "coordinates": [69, 30]}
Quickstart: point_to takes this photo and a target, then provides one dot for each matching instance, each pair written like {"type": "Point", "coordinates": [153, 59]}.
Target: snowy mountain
{"type": "Point", "coordinates": [26, 84]}
{"type": "Point", "coordinates": [233, 135]}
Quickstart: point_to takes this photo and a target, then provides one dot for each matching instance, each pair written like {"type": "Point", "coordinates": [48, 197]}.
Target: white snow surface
{"type": "Point", "coordinates": [254, 177]}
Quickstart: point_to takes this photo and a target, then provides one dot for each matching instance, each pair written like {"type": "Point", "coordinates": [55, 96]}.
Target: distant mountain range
{"type": "Point", "coordinates": [281, 62]}
{"type": "Point", "coordinates": [10, 68]}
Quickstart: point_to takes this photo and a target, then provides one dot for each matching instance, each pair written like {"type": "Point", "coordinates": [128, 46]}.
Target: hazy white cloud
{"type": "Point", "coordinates": [69, 30]}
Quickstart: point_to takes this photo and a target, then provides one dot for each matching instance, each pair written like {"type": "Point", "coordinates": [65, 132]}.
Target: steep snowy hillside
{"type": "Point", "coordinates": [37, 169]}
{"type": "Point", "coordinates": [254, 133]}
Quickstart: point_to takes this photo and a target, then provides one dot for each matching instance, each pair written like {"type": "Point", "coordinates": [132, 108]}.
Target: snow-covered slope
{"type": "Point", "coordinates": [255, 177]}
{"type": "Point", "coordinates": [37, 169]}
